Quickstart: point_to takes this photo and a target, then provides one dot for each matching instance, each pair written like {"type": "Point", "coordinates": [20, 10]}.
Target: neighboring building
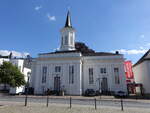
{"type": "Point", "coordinates": [76, 68]}
{"type": "Point", "coordinates": [141, 71]}
{"type": "Point", "coordinates": [20, 63]}
{"type": "Point", "coordinates": [26, 71]}
{"type": "Point", "coordinates": [3, 58]}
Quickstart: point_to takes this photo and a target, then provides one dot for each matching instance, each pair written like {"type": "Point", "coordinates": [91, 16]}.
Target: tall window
{"type": "Point", "coordinates": [71, 38]}
{"type": "Point", "coordinates": [91, 80]}
{"type": "Point", "coordinates": [71, 74]}
{"type": "Point", "coordinates": [66, 40]}
{"type": "Point", "coordinates": [103, 70]}
{"type": "Point", "coordinates": [44, 73]}
{"type": "Point", "coordinates": [57, 69]}
{"type": "Point", "coordinates": [116, 73]}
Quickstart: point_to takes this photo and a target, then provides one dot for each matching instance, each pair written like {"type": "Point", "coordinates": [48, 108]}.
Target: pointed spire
{"type": "Point", "coordinates": [68, 20]}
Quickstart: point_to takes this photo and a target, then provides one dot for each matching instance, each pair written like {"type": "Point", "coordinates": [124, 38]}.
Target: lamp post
{"type": "Point", "coordinates": [26, 89]}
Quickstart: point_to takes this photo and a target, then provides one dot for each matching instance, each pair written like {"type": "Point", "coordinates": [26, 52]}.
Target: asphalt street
{"type": "Point", "coordinates": [91, 102]}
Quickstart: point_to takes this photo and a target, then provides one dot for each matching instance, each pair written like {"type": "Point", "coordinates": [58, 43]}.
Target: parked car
{"type": "Point", "coordinates": [121, 94]}
{"type": "Point", "coordinates": [90, 92]}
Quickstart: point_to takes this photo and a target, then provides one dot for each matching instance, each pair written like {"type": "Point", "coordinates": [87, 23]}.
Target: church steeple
{"type": "Point", "coordinates": [68, 20]}
{"type": "Point", "coordinates": [68, 35]}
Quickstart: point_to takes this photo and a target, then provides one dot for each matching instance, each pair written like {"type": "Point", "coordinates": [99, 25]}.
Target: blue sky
{"type": "Point", "coordinates": [33, 26]}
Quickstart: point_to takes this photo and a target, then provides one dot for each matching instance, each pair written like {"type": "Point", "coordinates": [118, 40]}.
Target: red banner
{"type": "Point", "coordinates": [128, 70]}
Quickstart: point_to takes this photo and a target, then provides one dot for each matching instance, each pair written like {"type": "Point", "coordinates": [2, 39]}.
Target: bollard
{"type": "Point", "coordinates": [95, 104]}
{"type": "Point", "coordinates": [26, 97]}
{"type": "Point", "coordinates": [70, 103]}
{"type": "Point", "coordinates": [121, 104]}
{"type": "Point", "coordinates": [47, 100]}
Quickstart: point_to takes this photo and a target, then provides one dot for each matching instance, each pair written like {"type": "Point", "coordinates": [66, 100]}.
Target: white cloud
{"type": "Point", "coordinates": [38, 8]}
{"type": "Point", "coordinates": [141, 47]}
{"type": "Point", "coordinates": [132, 51]}
{"type": "Point", "coordinates": [14, 53]}
{"type": "Point", "coordinates": [51, 18]}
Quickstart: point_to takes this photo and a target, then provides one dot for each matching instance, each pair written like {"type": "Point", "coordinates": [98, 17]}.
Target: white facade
{"type": "Point", "coordinates": [142, 72]}
{"type": "Point", "coordinates": [18, 63]}
{"type": "Point", "coordinates": [75, 72]}
{"type": "Point", "coordinates": [81, 72]}
{"type": "Point", "coordinates": [101, 62]}
{"type": "Point", "coordinates": [3, 59]}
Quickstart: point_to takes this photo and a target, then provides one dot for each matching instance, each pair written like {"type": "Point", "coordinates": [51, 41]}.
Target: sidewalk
{"type": "Point", "coordinates": [17, 107]}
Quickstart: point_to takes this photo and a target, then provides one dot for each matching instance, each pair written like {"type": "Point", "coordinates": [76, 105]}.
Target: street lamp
{"type": "Point", "coordinates": [27, 89]}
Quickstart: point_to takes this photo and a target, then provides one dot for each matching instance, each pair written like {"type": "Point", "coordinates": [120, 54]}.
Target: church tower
{"type": "Point", "coordinates": [67, 35]}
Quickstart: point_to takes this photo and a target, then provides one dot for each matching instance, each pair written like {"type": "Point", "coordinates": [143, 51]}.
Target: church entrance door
{"type": "Point", "coordinates": [57, 83]}
{"type": "Point", "coordinates": [104, 85]}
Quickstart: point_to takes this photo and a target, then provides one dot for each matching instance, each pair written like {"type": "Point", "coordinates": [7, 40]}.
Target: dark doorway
{"type": "Point", "coordinates": [104, 85]}
{"type": "Point", "coordinates": [57, 83]}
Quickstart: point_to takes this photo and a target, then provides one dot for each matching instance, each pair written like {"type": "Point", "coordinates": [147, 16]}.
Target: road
{"type": "Point", "coordinates": [91, 102]}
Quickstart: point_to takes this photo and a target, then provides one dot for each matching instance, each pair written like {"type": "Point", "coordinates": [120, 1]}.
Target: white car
{"type": "Point", "coordinates": [16, 90]}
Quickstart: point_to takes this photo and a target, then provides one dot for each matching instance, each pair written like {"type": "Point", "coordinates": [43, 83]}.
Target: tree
{"type": "Point", "coordinates": [81, 47]}
{"type": "Point", "coordinates": [11, 75]}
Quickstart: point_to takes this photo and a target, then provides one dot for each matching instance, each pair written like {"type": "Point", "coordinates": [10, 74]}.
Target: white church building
{"type": "Point", "coordinates": [75, 68]}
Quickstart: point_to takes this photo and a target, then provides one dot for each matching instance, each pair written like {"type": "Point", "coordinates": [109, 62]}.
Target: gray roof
{"type": "Point", "coordinates": [4, 56]}
{"type": "Point", "coordinates": [84, 50]}
{"type": "Point", "coordinates": [84, 54]}
{"type": "Point", "coordinates": [143, 58]}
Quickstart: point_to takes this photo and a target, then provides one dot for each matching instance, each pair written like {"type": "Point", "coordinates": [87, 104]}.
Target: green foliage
{"type": "Point", "coordinates": [11, 75]}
